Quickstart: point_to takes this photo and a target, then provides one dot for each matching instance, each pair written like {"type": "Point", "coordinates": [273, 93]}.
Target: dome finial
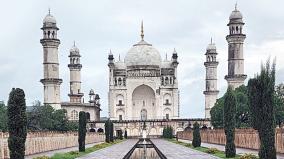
{"type": "Point", "coordinates": [236, 5]}
{"type": "Point", "coordinates": [166, 57]}
{"type": "Point", "coordinates": [142, 31]}
{"type": "Point", "coordinates": [211, 41]}
{"type": "Point", "coordinates": [74, 43]}
{"type": "Point", "coordinates": [48, 10]}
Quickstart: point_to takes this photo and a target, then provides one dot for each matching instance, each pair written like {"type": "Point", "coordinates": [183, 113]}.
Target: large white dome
{"type": "Point", "coordinates": [142, 54]}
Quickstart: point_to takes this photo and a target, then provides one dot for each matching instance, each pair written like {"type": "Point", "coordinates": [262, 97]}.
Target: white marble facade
{"type": "Point", "coordinates": [143, 86]}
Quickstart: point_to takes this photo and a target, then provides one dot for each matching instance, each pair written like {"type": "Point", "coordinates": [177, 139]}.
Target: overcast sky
{"type": "Point", "coordinates": [98, 26]}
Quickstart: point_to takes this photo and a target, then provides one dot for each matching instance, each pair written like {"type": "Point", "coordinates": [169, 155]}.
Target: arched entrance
{"type": "Point", "coordinates": [143, 103]}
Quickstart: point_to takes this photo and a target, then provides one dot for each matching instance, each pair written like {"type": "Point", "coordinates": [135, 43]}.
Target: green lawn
{"type": "Point", "coordinates": [75, 154]}
{"type": "Point", "coordinates": [217, 153]}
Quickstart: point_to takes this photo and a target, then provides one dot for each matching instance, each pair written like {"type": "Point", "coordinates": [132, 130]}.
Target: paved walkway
{"type": "Point", "coordinates": [51, 153]}
{"type": "Point", "coordinates": [175, 151]}
{"type": "Point", "coordinates": [239, 151]}
{"type": "Point", "coordinates": [116, 151]}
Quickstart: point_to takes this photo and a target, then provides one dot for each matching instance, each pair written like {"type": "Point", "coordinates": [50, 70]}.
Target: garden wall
{"type": "Point", "coordinates": [244, 138]}
{"type": "Point", "coordinates": [38, 142]}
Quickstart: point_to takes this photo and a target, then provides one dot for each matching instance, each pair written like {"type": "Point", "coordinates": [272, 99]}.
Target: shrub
{"type": "Point", "coordinates": [196, 142]}
{"type": "Point", "coordinates": [168, 132]}
{"type": "Point", "coordinates": [17, 123]}
{"type": "Point", "coordinates": [82, 131]}
{"type": "Point", "coordinates": [248, 156]}
{"type": "Point", "coordinates": [212, 150]}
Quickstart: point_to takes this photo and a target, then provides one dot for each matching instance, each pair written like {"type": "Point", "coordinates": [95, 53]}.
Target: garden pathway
{"type": "Point", "coordinates": [116, 151]}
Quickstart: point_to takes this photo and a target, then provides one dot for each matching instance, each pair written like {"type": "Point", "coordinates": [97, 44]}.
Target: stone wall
{"type": "Point", "coordinates": [38, 142]}
{"type": "Point", "coordinates": [244, 138]}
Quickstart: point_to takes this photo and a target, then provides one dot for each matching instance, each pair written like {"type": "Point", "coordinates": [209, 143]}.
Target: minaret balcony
{"type": "Point", "coordinates": [211, 92]}
{"type": "Point", "coordinates": [51, 80]}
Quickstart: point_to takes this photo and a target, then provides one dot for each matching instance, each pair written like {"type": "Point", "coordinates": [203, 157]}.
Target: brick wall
{"type": "Point", "coordinates": [38, 142]}
{"type": "Point", "coordinates": [244, 138]}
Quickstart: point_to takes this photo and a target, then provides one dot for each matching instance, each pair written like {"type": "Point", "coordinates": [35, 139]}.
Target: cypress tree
{"type": "Point", "coordinates": [196, 142]}
{"type": "Point", "coordinates": [107, 131]}
{"type": "Point", "coordinates": [230, 122]}
{"type": "Point", "coordinates": [111, 131]}
{"type": "Point", "coordinates": [17, 123]}
{"type": "Point", "coordinates": [82, 131]}
{"type": "Point", "coordinates": [261, 94]}
{"type": "Point", "coordinates": [125, 134]}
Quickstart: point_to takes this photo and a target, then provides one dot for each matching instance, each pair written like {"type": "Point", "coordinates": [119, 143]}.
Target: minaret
{"type": "Point", "coordinates": [75, 75]}
{"type": "Point", "coordinates": [235, 39]}
{"type": "Point", "coordinates": [211, 91]}
{"type": "Point", "coordinates": [51, 80]}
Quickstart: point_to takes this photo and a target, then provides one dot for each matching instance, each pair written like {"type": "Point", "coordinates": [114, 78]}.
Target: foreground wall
{"type": "Point", "coordinates": [245, 138]}
{"type": "Point", "coordinates": [38, 142]}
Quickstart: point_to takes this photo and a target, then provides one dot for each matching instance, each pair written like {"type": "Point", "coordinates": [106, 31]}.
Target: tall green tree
{"type": "Point", "coordinates": [196, 142]}
{"type": "Point", "coordinates": [229, 122]}
{"type": "Point", "coordinates": [261, 98]}
{"type": "Point", "coordinates": [82, 130]}
{"type": "Point", "coordinates": [17, 123]}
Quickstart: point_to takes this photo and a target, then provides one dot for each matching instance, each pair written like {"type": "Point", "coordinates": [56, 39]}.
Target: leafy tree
{"type": "Point", "coordinates": [168, 132]}
{"type": "Point", "coordinates": [261, 98]}
{"type": "Point", "coordinates": [242, 109]}
{"type": "Point", "coordinates": [17, 123]}
{"type": "Point", "coordinates": [3, 118]}
{"type": "Point", "coordinates": [279, 104]}
{"type": "Point", "coordinates": [47, 118]}
{"type": "Point", "coordinates": [196, 142]}
{"type": "Point", "coordinates": [229, 122]}
{"type": "Point", "coordinates": [217, 114]}
{"type": "Point", "coordinates": [82, 131]}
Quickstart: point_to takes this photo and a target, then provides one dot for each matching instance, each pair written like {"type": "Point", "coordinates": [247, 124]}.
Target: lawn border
{"type": "Point", "coordinates": [220, 154]}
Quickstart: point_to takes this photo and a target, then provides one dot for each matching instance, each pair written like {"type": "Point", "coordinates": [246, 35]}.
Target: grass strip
{"type": "Point", "coordinates": [216, 153]}
{"type": "Point", "coordinates": [75, 154]}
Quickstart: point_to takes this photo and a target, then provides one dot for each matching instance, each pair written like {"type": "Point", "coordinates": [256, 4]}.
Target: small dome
{"type": "Point", "coordinates": [143, 54]}
{"type": "Point", "coordinates": [49, 20]}
{"type": "Point", "coordinates": [236, 15]}
{"type": "Point", "coordinates": [211, 46]}
{"type": "Point", "coordinates": [74, 50]}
